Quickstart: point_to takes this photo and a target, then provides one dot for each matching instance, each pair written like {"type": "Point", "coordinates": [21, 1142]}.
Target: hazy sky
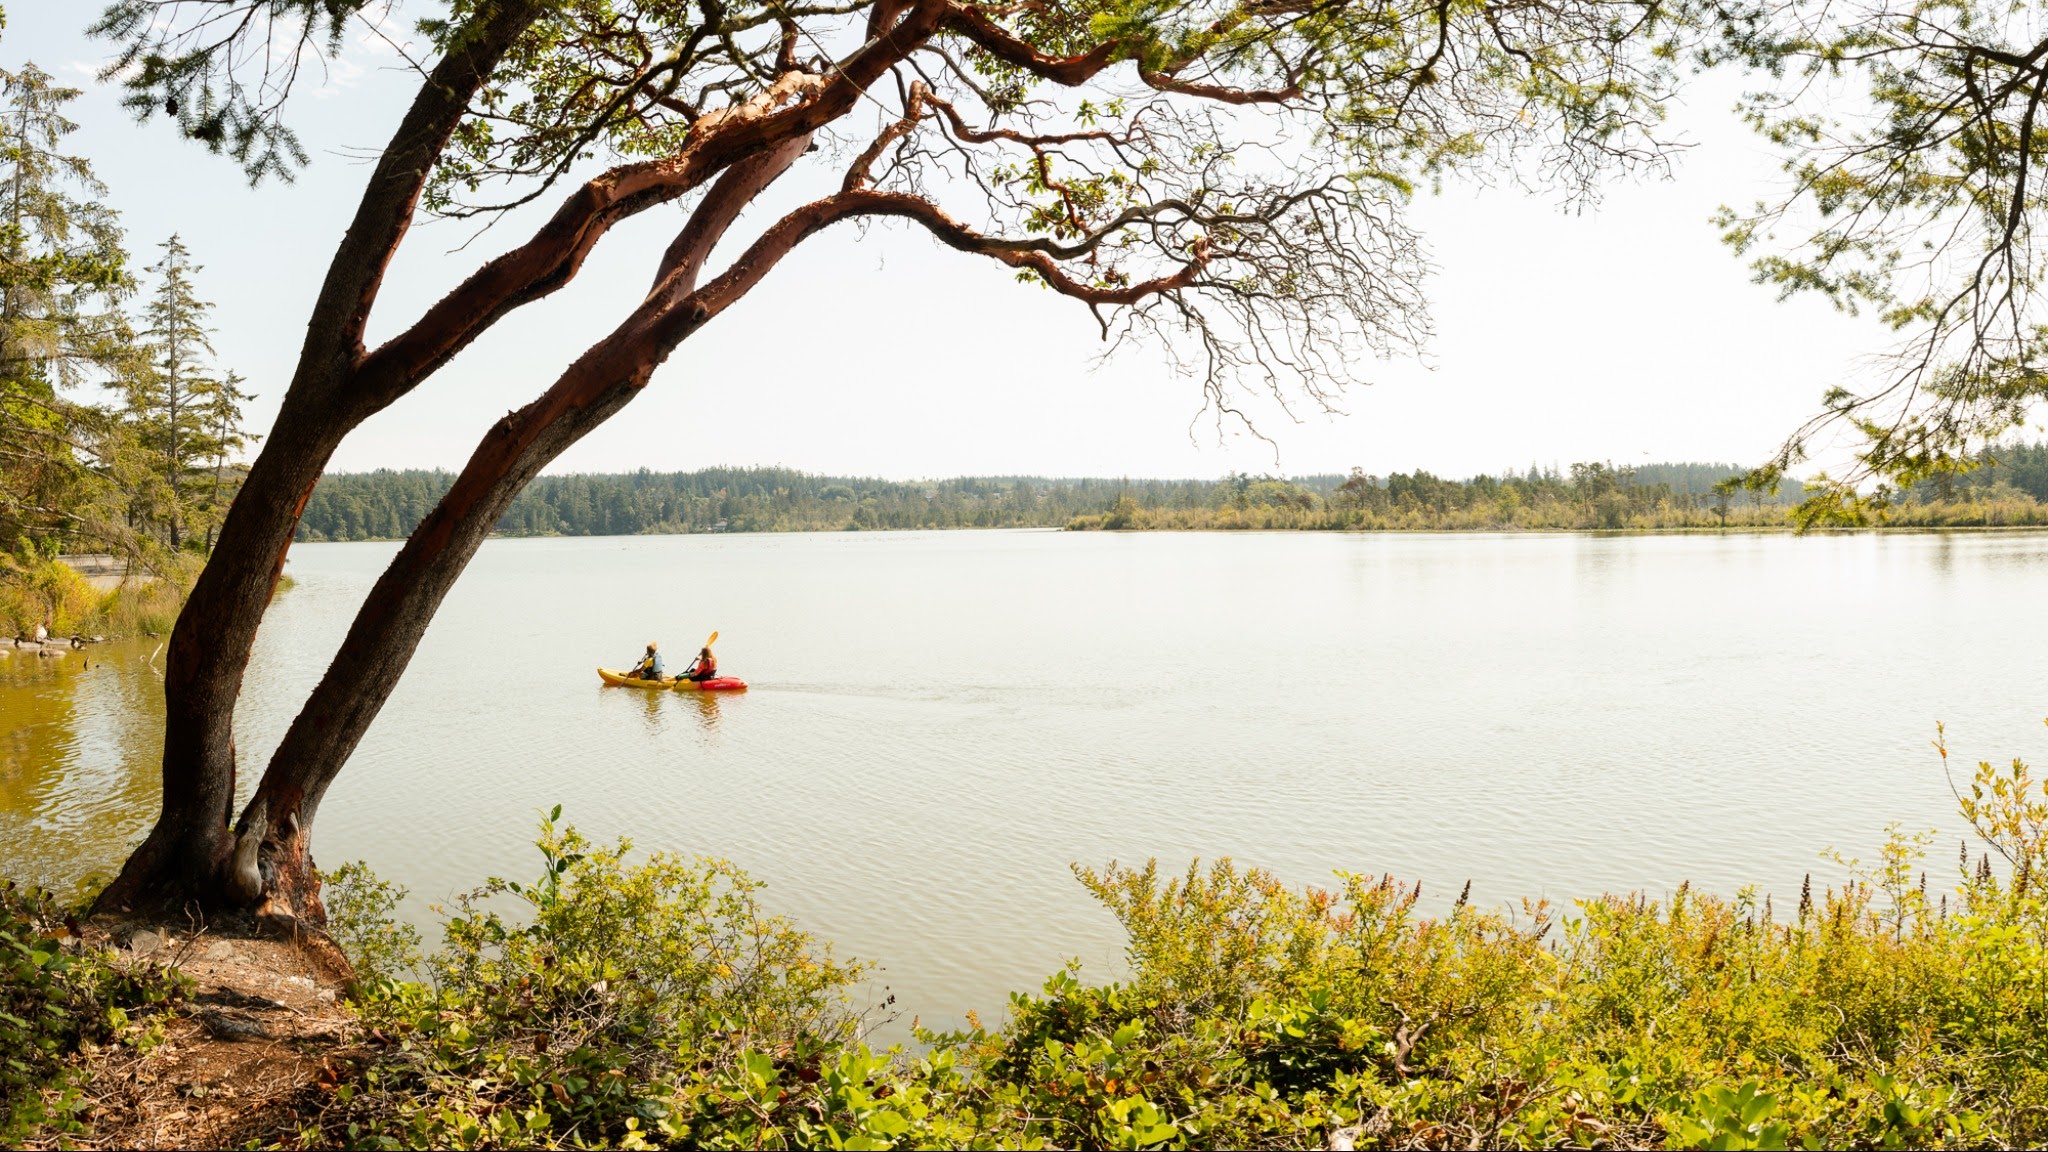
{"type": "Point", "coordinates": [1623, 332]}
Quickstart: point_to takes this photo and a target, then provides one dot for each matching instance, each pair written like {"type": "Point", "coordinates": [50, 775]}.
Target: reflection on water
{"type": "Point", "coordinates": [695, 712]}
{"type": "Point", "coordinates": [941, 722]}
{"type": "Point", "coordinates": [78, 736]}
{"type": "Point", "coordinates": [705, 706]}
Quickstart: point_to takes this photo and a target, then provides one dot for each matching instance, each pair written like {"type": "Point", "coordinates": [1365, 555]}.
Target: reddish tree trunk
{"type": "Point", "coordinates": [183, 859]}
{"type": "Point", "coordinates": [184, 855]}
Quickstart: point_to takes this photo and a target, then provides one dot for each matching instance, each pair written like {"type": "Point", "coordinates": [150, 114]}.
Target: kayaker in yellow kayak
{"type": "Point", "coordinates": [649, 667]}
{"type": "Point", "coordinates": [704, 667]}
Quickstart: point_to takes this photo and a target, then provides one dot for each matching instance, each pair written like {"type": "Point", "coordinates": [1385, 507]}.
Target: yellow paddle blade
{"type": "Point", "coordinates": [713, 640]}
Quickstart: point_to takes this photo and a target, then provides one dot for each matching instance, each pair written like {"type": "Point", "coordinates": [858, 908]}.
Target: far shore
{"type": "Point", "coordinates": [1433, 530]}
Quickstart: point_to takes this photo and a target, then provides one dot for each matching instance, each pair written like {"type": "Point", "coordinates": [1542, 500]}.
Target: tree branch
{"type": "Point", "coordinates": [794, 106]}
{"type": "Point", "coordinates": [385, 213]}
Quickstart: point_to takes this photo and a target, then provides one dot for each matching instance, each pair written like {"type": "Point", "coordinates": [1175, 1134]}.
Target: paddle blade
{"type": "Point", "coordinates": [713, 640]}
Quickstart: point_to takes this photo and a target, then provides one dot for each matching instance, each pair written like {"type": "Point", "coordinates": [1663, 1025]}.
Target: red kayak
{"type": "Point", "coordinates": [715, 684]}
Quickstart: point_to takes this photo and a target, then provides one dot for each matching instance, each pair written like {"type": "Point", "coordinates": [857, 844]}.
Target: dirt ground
{"type": "Point", "coordinates": [264, 1038]}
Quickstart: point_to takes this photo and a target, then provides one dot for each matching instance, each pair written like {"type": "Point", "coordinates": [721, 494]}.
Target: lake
{"type": "Point", "coordinates": [941, 723]}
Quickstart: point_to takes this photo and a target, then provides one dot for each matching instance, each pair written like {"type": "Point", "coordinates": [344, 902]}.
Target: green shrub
{"type": "Point", "coordinates": [56, 997]}
{"type": "Point", "coordinates": [1262, 1016]}
{"type": "Point", "coordinates": [41, 590]}
{"type": "Point", "coordinates": [359, 917]}
{"type": "Point", "coordinates": [654, 1004]}
{"type": "Point", "coordinates": [37, 589]}
{"type": "Point", "coordinates": [588, 1022]}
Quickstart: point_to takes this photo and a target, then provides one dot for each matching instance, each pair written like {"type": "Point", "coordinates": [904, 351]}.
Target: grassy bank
{"type": "Point", "coordinates": [633, 1002]}
{"type": "Point", "coordinates": [42, 590]}
{"type": "Point", "coordinates": [1324, 516]}
{"type": "Point", "coordinates": [1619, 511]}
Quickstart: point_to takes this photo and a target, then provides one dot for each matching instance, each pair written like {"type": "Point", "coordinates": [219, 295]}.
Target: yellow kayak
{"type": "Point", "coordinates": [623, 680]}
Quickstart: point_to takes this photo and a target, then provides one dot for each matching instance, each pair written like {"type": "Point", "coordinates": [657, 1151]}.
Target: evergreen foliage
{"type": "Point", "coordinates": [63, 274]}
{"type": "Point", "coordinates": [1910, 138]}
{"type": "Point", "coordinates": [76, 474]}
{"type": "Point", "coordinates": [182, 412]}
{"type": "Point", "coordinates": [387, 505]}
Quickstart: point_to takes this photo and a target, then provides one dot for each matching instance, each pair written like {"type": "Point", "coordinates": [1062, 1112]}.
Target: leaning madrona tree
{"type": "Point", "coordinates": [1222, 179]}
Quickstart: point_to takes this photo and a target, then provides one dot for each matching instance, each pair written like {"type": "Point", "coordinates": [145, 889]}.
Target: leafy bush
{"type": "Point", "coordinates": [36, 589]}
{"type": "Point", "coordinates": [40, 590]}
{"type": "Point", "coordinates": [654, 1004]}
{"type": "Point", "coordinates": [359, 908]}
{"type": "Point", "coordinates": [589, 1022]}
{"type": "Point", "coordinates": [54, 998]}
{"type": "Point", "coordinates": [1261, 1016]}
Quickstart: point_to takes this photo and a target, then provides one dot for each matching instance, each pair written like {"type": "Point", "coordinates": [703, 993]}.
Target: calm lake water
{"type": "Point", "coordinates": [942, 722]}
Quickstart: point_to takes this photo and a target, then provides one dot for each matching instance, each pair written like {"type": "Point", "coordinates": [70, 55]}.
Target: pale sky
{"type": "Point", "coordinates": [1624, 332]}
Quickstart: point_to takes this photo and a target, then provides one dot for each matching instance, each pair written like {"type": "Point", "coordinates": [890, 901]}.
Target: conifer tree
{"type": "Point", "coordinates": [169, 395]}
{"type": "Point", "coordinates": [218, 406]}
{"type": "Point", "coordinates": [62, 277]}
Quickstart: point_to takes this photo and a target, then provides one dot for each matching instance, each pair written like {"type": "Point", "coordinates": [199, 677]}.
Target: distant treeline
{"type": "Point", "coordinates": [2005, 485]}
{"type": "Point", "coordinates": [2001, 468]}
{"type": "Point", "coordinates": [1585, 496]}
{"type": "Point", "coordinates": [388, 505]}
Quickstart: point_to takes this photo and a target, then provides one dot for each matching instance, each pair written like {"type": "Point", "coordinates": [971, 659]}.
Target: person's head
{"type": "Point", "coordinates": [650, 645]}
{"type": "Point", "coordinates": [705, 653]}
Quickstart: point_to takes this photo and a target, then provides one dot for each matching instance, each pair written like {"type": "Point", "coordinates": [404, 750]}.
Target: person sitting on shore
{"type": "Point", "coordinates": [704, 667]}
{"type": "Point", "coordinates": [649, 667]}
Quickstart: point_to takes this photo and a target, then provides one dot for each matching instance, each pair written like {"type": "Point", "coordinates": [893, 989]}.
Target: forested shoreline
{"type": "Point", "coordinates": [386, 504]}
{"type": "Point", "coordinates": [2000, 486]}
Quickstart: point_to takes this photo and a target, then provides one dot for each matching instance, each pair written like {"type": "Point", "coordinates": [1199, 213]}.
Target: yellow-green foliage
{"type": "Point", "coordinates": [1998, 507]}
{"type": "Point", "coordinates": [1260, 1016]}
{"type": "Point", "coordinates": [359, 917]}
{"type": "Point", "coordinates": [140, 608]}
{"type": "Point", "coordinates": [655, 1004]}
{"type": "Point", "coordinates": [40, 590]}
{"type": "Point", "coordinates": [592, 1021]}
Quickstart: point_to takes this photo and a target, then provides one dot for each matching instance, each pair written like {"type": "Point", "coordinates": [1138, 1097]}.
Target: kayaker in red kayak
{"type": "Point", "coordinates": [704, 667]}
